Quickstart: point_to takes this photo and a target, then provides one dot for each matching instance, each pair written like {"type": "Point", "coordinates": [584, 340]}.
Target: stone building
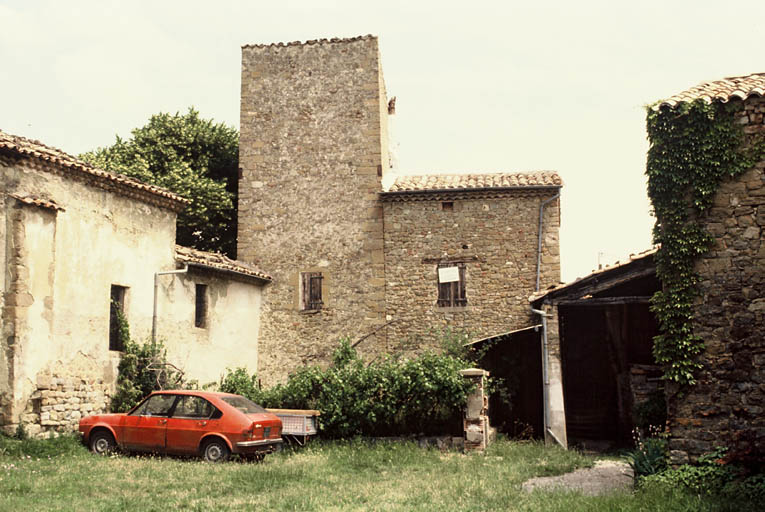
{"type": "Point", "coordinates": [351, 258]}
{"type": "Point", "coordinates": [77, 243]}
{"type": "Point", "coordinates": [727, 405]}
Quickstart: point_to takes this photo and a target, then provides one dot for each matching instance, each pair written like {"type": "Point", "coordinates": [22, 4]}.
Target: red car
{"type": "Point", "coordinates": [211, 425]}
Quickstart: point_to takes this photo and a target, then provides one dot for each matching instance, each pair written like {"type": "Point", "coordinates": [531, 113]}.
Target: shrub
{"type": "Point", "coordinates": [423, 395]}
{"type": "Point", "coordinates": [712, 477]}
{"type": "Point", "coordinates": [143, 368]}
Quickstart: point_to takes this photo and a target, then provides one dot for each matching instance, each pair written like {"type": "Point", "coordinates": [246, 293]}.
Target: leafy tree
{"type": "Point", "coordinates": [193, 157]}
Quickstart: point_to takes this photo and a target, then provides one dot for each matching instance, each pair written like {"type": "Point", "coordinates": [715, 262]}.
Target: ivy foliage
{"type": "Point", "coordinates": [193, 157]}
{"type": "Point", "coordinates": [389, 397]}
{"type": "Point", "coordinates": [693, 147]}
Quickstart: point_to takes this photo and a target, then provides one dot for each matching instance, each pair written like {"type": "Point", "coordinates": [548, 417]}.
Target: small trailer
{"type": "Point", "coordinates": [298, 424]}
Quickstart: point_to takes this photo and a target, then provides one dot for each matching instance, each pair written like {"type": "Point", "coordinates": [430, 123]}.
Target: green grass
{"type": "Point", "coordinates": [353, 475]}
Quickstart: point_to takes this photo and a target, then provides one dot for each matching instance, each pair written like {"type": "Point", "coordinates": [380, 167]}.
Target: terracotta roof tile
{"type": "Point", "coordinates": [741, 87]}
{"type": "Point", "coordinates": [37, 201]}
{"type": "Point", "coordinates": [434, 182]}
{"type": "Point", "coordinates": [68, 163]}
{"type": "Point", "coordinates": [217, 261]}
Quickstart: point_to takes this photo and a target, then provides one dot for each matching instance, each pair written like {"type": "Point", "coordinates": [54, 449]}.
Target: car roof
{"type": "Point", "coordinates": [204, 394]}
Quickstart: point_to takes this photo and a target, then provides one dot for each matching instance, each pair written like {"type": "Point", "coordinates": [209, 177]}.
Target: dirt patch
{"type": "Point", "coordinates": [605, 477]}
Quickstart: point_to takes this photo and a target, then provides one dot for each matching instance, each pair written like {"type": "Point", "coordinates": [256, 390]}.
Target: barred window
{"type": "Point", "coordinates": [310, 295]}
{"type": "Point", "coordinates": [451, 285]}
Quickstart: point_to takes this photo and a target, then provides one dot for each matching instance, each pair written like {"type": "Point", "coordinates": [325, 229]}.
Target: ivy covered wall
{"type": "Point", "coordinates": [707, 185]}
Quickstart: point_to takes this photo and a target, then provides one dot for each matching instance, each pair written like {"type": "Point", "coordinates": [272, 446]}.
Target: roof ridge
{"type": "Point", "coordinates": [35, 149]}
{"type": "Point", "coordinates": [310, 42]}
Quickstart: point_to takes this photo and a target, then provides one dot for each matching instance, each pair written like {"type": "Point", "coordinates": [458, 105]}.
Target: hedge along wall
{"type": "Point", "coordinates": [705, 180]}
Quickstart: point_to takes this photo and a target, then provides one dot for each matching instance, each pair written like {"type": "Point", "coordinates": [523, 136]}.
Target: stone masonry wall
{"type": "Point", "coordinates": [311, 158]}
{"type": "Point", "coordinates": [727, 406]}
{"type": "Point", "coordinates": [60, 402]}
{"type": "Point", "coordinates": [495, 237]}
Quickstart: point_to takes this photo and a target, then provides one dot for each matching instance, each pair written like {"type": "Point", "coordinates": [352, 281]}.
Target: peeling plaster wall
{"type": "Point", "coordinates": [4, 376]}
{"type": "Point", "coordinates": [64, 263]}
{"type": "Point", "coordinates": [229, 338]}
{"type": "Point", "coordinates": [58, 268]}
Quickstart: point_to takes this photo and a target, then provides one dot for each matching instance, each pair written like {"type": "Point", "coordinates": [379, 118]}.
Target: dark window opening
{"type": "Point", "coordinates": [311, 291]}
{"type": "Point", "coordinates": [116, 313]}
{"type": "Point", "coordinates": [447, 206]}
{"type": "Point", "coordinates": [451, 285]}
{"type": "Point", "coordinates": [200, 305]}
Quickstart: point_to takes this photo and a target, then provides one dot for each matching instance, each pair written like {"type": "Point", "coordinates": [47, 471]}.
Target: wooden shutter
{"type": "Point", "coordinates": [312, 290]}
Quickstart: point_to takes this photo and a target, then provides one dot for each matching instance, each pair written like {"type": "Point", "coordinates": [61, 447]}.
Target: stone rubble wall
{"type": "Point", "coordinates": [312, 118]}
{"type": "Point", "coordinates": [727, 405]}
{"type": "Point", "coordinates": [59, 403]}
{"type": "Point", "coordinates": [496, 238]}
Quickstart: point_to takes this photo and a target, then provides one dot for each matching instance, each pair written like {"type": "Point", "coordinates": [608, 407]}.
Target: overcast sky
{"type": "Point", "coordinates": [481, 86]}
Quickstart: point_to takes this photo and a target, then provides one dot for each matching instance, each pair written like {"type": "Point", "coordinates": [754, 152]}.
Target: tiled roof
{"type": "Point", "coordinates": [37, 201]}
{"type": "Point", "coordinates": [68, 163]}
{"type": "Point", "coordinates": [217, 261]}
{"type": "Point", "coordinates": [312, 42]}
{"type": "Point", "coordinates": [741, 87]}
{"type": "Point", "coordinates": [441, 182]}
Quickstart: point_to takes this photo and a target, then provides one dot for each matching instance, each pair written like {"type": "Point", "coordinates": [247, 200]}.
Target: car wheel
{"type": "Point", "coordinates": [102, 442]}
{"type": "Point", "coordinates": [215, 450]}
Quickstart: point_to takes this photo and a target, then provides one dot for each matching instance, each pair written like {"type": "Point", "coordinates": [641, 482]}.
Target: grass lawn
{"type": "Point", "coordinates": [353, 475]}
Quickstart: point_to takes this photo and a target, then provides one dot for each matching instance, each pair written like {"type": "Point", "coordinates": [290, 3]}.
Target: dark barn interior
{"type": "Point", "coordinates": [606, 334]}
{"type": "Point", "coordinates": [514, 361]}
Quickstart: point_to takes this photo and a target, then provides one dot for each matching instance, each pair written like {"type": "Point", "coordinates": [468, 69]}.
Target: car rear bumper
{"type": "Point", "coordinates": [258, 446]}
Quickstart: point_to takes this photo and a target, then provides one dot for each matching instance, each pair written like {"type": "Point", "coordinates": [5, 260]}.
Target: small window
{"type": "Point", "coordinates": [447, 206]}
{"type": "Point", "coordinates": [451, 285]}
{"type": "Point", "coordinates": [200, 305]}
{"type": "Point", "coordinates": [116, 314]}
{"type": "Point", "coordinates": [310, 293]}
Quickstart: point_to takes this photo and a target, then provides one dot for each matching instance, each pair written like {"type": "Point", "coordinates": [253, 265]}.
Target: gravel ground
{"type": "Point", "coordinates": [605, 477]}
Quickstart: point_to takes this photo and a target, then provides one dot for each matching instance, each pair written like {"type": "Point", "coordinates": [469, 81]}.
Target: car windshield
{"type": "Point", "coordinates": [244, 405]}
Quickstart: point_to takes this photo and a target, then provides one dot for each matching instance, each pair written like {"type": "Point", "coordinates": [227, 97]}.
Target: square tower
{"type": "Point", "coordinates": [313, 149]}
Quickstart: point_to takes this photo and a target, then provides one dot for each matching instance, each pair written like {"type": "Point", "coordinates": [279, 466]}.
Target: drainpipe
{"type": "Point", "coordinates": [539, 241]}
{"type": "Point", "coordinates": [156, 288]}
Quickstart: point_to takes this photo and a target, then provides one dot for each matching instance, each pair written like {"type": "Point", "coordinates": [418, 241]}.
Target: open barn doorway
{"type": "Point", "coordinates": [514, 361]}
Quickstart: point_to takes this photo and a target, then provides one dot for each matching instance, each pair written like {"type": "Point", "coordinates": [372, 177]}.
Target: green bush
{"type": "Point", "coordinates": [143, 368]}
{"type": "Point", "coordinates": [423, 395]}
{"type": "Point", "coordinates": [711, 477]}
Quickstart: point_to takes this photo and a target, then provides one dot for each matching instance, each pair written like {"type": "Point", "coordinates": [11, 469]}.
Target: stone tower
{"type": "Point", "coordinates": [313, 151]}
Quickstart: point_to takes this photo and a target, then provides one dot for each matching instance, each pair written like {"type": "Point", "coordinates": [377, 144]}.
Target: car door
{"type": "Point", "coordinates": [145, 427]}
{"type": "Point", "coordinates": [190, 421]}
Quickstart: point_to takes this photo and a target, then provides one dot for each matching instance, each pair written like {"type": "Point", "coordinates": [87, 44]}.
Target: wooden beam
{"type": "Point", "coordinates": [605, 301]}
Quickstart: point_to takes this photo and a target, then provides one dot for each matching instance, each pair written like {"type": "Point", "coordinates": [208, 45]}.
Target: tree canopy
{"type": "Point", "coordinates": [193, 157]}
